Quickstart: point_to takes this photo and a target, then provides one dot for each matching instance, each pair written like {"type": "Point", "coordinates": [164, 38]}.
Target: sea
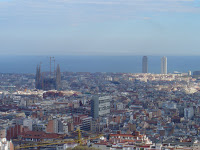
{"type": "Point", "coordinates": [123, 64]}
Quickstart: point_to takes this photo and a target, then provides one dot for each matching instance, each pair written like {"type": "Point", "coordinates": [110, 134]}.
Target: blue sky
{"type": "Point", "coordinates": [100, 27]}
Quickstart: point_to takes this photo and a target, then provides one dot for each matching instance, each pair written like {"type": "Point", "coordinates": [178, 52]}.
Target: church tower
{"type": "Point", "coordinates": [38, 79]}
{"type": "Point", "coordinates": [58, 78]}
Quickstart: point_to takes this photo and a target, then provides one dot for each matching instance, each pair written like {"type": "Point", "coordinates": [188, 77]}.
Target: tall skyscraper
{"type": "Point", "coordinates": [164, 65]}
{"type": "Point", "coordinates": [144, 64]}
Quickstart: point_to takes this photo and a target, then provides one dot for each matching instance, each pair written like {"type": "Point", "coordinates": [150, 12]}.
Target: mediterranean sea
{"type": "Point", "coordinates": [126, 64]}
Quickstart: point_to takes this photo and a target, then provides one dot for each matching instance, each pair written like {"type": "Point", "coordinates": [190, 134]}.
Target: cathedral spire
{"type": "Point", "coordinates": [58, 78]}
{"type": "Point", "coordinates": [38, 84]}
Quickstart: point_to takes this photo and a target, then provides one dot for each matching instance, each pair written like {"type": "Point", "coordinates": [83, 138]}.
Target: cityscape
{"type": "Point", "coordinates": [130, 111]}
{"type": "Point", "coordinates": [99, 75]}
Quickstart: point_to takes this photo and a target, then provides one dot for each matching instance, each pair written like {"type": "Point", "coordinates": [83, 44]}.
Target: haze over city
{"type": "Point", "coordinates": [99, 27]}
{"type": "Point", "coordinates": [99, 75]}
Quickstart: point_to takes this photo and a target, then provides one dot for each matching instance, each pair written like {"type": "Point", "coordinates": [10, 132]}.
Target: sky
{"type": "Point", "coordinates": [100, 27]}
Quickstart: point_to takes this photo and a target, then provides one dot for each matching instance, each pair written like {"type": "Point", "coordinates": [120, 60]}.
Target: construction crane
{"type": "Point", "coordinates": [79, 136]}
{"type": "Point", "coordinates": [43, 144]}
{"type": "Point", "coordinates": [80, 141]}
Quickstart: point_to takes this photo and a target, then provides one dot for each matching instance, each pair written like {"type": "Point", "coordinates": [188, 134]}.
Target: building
{"type": "Point", "coordinates": [82, 121]}
{"type": "Point", "coordinates": [38, 127]}
{"type": "Point", "coordinates": [164, 65]}
{"type": "Point", "coordinates": [196, 73]}
{"type": "Point", "coordinates": [45, 81]}
{"type": "Point", "coordinates": [144, 64]}
{"type": "Point", "coordinates": [100, 106]}
{"type": "Point", "coordinates": [134, 138]}
{"type": "Point", "coordinates": [13, 131]}
{"type": "Point", "coordinates": [5, 144]}
{"type": "Point", "coordinates": [188, 113]}
{"type": "Point", "coordinates": [55, 126]}
{"type": "Point", "coordinates": [58, 78]}
{"type": "Point", "coordinates": [39, 136]}
{"type": "Point", "coordinates": [28, 123]}
{"type": "Point", "coordinates": [189, 73]}
{"type": "Point", "coordinates": [38, 78]}
{"type": "Point", "coordinates": [86, 123]}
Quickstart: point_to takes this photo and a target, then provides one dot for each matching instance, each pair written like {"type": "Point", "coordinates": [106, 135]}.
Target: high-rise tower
{"type": "Point", "coordinates": [144, 64]}
{"type": "Point", "coordinates": [164, 65]}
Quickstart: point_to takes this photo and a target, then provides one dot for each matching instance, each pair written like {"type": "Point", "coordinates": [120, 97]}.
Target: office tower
{"type": "Point", "coordinates": [144, 64]}
{"type": "Point", "coordinates": [100, 106]}
{"type": "Point", "coordinates": [164, 65]}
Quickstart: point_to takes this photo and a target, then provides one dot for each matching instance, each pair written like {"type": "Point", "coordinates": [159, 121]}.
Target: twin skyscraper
{"type": "Point", "coordinates": [163, 65]}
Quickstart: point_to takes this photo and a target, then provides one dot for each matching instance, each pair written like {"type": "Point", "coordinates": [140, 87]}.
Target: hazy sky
{"type": "Point", "coordinates": [100, 27]}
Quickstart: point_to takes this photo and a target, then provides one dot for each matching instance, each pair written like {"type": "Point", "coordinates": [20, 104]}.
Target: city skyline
{"type": "Point", "coordinates": [113, 27]}
{"type": "Point", "coordinates": [113, 105]}
{"type": "Point", "coordinates": [128, 64]}
{"type": "Point", "coordinates": [100, 74]}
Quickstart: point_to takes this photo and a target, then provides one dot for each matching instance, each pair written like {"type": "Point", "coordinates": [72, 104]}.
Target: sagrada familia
{"type": "Point", "coordinates": [45, 81]}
